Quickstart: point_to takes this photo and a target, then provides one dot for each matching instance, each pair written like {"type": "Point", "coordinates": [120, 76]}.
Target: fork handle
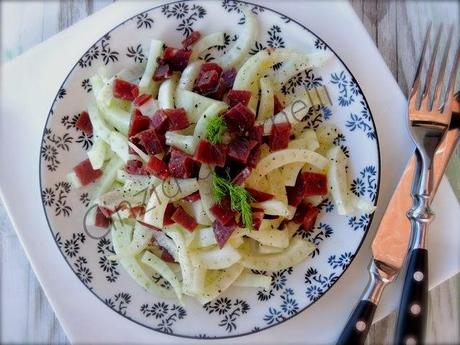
{"type": "Point", "coordinates": [411, 322]}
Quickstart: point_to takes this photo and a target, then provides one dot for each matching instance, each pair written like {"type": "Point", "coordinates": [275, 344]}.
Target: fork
{"type": "Point", "coordinates": [429, 118]}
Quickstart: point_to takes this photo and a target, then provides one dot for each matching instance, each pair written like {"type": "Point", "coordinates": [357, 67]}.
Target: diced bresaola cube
{"type": "Point", "coordinates": [223, 211]}
{"type": "Point", "coordinates": [141, 99]}
{"type": "Point", "coordinates": [138, 123]}
{"type": "Point", "coordinates": [177, 59]}
{"type": "Point", "coordinates": [191, 39]}
{"type": "Point", "coordinates": [209, 153]}
{"type": "Point", "coordinates": [101, 220]}
{"type": "Point", "coordinates": [181, 165]}
{"type": "Point", "coordinates": [218, 92]}
{"type": "Point", "coordinates": [169, 120]}
{"type": "Point", "coordinates": [228, 78]}
{"type": "Point", "coordinates": [278, 106]}
{"type": "Point", "coordinates": [162, 72]}
{"type": "Point", "coordinates": [254, 157]}
{"type": "Point", "coordinates": [85, 172]}
{"type": "Point", "coordinates": [160, 121]}
{"type": "Point", "coordinates": [307, 184]}
{"type": "Point", "coordinates": [256, 133]}
{"type": "Point", "coordinates": [177, 119]}
{"type": "Point", "coordinates": [238, 96]}
{"type": "Point", "coordinates": [210, 66]}
{"type": "Point", "coordinates": [315, 183]}
{"type": "Point", "coordinates": [170, 209]}
{"type": "Point", "coordinates": [306, 215]}
{"type": "Point", "coordinates": [184, 219]}
{"type": "Point", "coordinates": [239, 119]}
{"type": "Point", "coordinates": [150, 141]}
{"type": "Point", "coordinates": [84, 123]}
{"type": "Point", "coordinates": [296, 193]}
{"type": "Point", "coordinates": [240, 149]}
{"type": "Point", "coordinates": [135, 167]}
{"type": "Point", "coordinates": [259, 196]}
{"type": "Point", "coordinates": [125, 90]}
{"type": "Point", "coordinates": [223, 232]}
{"type": "Point", "coordinates": [158, 168]}
{"type": "Point", "coordinates": [207, 82]}
{"type": "Point", "coordinates": [279, 137]}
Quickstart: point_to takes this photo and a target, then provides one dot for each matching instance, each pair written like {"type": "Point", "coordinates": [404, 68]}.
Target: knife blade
{"type": "Point", "coordinates": [389, 247]}
{"type": "Point", "coordinates": [393, 234]}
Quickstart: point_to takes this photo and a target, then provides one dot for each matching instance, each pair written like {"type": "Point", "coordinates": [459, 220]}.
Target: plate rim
{"type": "Point", "coordinates": [366, 230]}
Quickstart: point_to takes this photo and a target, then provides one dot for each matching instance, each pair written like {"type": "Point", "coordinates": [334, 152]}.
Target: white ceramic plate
{"type": "Point", "coordinates": [239, 311]}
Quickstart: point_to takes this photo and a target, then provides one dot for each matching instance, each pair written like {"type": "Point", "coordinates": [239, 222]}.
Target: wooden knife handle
{"type": "Point", "coordinates": [411, 323]}
{"type": "Point", "coordinates": [358, 325]}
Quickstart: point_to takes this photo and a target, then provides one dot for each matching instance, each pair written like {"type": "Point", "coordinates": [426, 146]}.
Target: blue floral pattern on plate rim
{"type": "Point", "coordinates": [227, 309]}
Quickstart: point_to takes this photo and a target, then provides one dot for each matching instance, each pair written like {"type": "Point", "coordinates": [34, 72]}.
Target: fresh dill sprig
{"type": "Point", "coordinates": [215, 129]}
{"type": "Point", "coordinates": [219, 187]}
{"type": "Point", "coordinates": [240, 198]}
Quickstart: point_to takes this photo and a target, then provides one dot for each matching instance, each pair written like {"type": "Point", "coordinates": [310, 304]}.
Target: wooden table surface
{"type": "Point", "coordinates": [396, 28]}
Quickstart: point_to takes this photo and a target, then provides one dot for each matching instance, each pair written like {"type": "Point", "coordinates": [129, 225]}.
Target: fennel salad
{"type": "Point", "coordinates": [204, 171]}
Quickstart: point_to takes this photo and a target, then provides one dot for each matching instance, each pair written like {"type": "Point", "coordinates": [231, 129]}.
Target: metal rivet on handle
{"type": "Point", "coordinates": [418, 276]}
{"type": "Point", "coordinates": [360, 326]}
{"type": "Point", "coordinates": [415, 309]}
{"type": "Point", "coordinates": [411, 341]}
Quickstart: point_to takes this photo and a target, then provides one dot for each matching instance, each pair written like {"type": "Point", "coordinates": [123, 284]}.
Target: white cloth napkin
{"type": "Point", "coordinates": [29, 84]}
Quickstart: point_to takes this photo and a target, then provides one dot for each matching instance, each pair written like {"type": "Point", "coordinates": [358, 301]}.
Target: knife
{"type": "Point", "coordinates": [389, 247]}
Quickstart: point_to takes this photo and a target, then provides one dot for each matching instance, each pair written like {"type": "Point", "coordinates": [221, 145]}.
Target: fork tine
{"type": "Point", "coordinates": [425, 101]}
{"type": "Point", "coordinates": [449, 95]}
{"type": "Point", "coordinates": [416, 84]}
{"type": "Point", "coordinates": [442, 70]}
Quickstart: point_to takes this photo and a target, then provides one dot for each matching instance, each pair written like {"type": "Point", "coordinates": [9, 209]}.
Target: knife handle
{"type": "Point", "coordinates": [411, 322]}
{"type": "Point", "coordinates": [358, 325]}
{"type": "Point", "coordinates": [360, 321]}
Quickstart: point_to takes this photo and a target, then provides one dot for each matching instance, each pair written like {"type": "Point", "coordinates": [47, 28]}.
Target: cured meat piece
{"type": "Point", "coordinates": [209, 153]}
{"type": "Point", "coordinates": [150, 141]}
{"type": "Point", "coordinates": [84, 123]}
{"type": "Point", "coordinates": [184, 219]}
{"type": "Point", "coordinates": [170, 209]}
{"type": "Point", "coordinates": [181, 165]}
{"type": "Point", "coordinates": [162, 72]}
{"type": "Point", "coordinates": [135, 167]}
{"type": "Point", "coordinates": [85, 172]}
{"type": "Point", "coordinates": [279, 137]}
{"type": "Point", "coordinates": [240, 149]}
{"type": "Point", "coordinates": [239, 119]}
{"type": "Point", "coordinates": [138, 123]}
{"type": "Point", "coordinates": [259, 196]}
{"type": "Point", "coordinates": [278, 105]}
{"type": "Point", "coordinates": [315, 183]}
{"type": "Point", "coordinates": [238, 96]}
{"type": "Point", "coordinates": [125, 90]}
{"type": "Point", "coordinates": [306, 215]}
{"type": "Point", "coordinates": [141, 99]}
{"type": "Point", "coordinates": [223, 232]}
{"type": "Point", "coordinates": [158, 168]}
{"type": "Point", "coordinates": [228, 78]}
{"type": "Point", "coordinates": [160, 121]}
{"type": "Point", "coordinates": [223, 212]}
{"type": "Point", "coordinates": [102, 221]}
{"type": "Point", "coordinates": [177, 119]}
